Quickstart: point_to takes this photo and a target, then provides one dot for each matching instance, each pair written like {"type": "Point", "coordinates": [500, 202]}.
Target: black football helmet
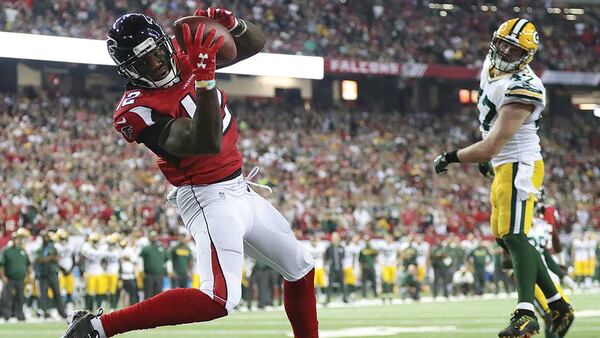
{"type": "Point", "coordinates": [142, 51]}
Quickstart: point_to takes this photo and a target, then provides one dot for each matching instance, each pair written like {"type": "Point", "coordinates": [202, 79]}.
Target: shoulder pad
{"type": "Point", "coordinates": [526, 88]}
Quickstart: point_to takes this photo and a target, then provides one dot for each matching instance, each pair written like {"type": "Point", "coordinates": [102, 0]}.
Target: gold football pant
{"type": "Point", "coordinates": [350, 276]}
{"type": "Point", "coordinates": [320, 278]}
{"type": "Point", "coordinates": [96, 285]}
{"type": "Point", "coordinates": [67, 283]}
{"type": "Point", "coordinates": [388, 274]}
{"type": "Point", "coordinates": [510, 215]}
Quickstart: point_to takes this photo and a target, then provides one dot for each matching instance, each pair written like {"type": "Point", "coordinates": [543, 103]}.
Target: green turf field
{"type": "Point", "coordinates": [469, 319]}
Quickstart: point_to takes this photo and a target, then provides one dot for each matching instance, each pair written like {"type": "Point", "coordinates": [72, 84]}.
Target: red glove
{"type": "Point", "coordinates": [223, 16]}
{"type": "Point", "coordinates": [202, 54]}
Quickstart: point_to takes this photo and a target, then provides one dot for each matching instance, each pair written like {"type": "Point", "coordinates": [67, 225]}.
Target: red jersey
{"type": "Point", "coordinates": [142, 113]}
{"type": "Point", "coordinates": [551, 215]}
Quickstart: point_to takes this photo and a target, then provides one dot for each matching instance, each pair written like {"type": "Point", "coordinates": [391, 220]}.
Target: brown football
{"type": "Point", "coordinates": [227, 52]}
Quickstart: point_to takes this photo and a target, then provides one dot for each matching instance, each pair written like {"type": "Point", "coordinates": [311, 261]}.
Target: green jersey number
{"type": "Point", "coordinates": [488, 109]}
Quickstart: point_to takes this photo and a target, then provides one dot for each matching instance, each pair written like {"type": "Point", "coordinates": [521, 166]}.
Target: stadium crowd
{"type": "Point", "coordinates": [406, 31]}
{"type": "Point", "coordinates": [331, 170]}
{"type": "Point", "coordinates": [364, 175]}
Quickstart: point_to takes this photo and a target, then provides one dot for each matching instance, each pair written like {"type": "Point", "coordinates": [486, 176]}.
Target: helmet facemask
{"type": "Point", "coordinates": [142, 51]}
{"type": "Point", "coordinates": [151, 59]}
{"type": "Point", "coordinates": [505, 62]}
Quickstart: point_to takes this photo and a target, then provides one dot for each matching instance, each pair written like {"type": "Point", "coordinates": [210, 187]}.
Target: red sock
{"type": "Point", "coordinates": [301, 306]}
{"type": "Point", "coordinates": [172, 307]}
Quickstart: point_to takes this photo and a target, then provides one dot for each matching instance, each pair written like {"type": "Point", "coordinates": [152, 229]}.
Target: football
{"type": "Point", "coordinates": [227, 52]}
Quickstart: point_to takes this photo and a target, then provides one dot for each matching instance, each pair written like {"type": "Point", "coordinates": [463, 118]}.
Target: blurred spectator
{"type": "Point", "coordinates": [127, 272]}
{"type": "Point", "coordinates": [440, 261]}
{"type": "Point", "coordinates": [463, 281]}
{"type": "Point", "coordinates": [375, 181]}
{"type": "Point", "coordinates": [479, 258]}
{"type": "Point", "coordinates": [46, 271]}
{"type": "Point", "coordinates": [262, 277]}
{"type": "Point", "coordinates": [334, 258]}
{"type": "Point", "coordinates": [154, 257]}
{"type": "Point", "coordinates": [500, 274]}
{"type": "Point", "coordinates": [14, 267]}
{"type": "Point", "coordinates": [181, 262]}
{"type": "Point", "coordinates": [367, 259]}
{"type": "Point", "coordinates": [401, 31]}
{"type": "Point", "coordinates": [410, 283]}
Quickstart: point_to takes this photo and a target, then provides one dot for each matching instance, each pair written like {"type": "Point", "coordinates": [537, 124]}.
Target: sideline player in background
{"type": "Point", "coordinates": [66, 263]}
{"type": "Point", "coordinates": [91, 256]}
{"type": "Point", "coordinates": [540, 236]}
{"type": "Point", "coordinates": [317, 252]}
{"type": "Point", "coordinates": [511, 101]}
{"type": "Point", "coordinates": [351, 263]}
{"type": "Point", "coordinates": [111, 275]}
{"type": "Point", "coordinates": [173, 107]}
{"type": "Point", "coordinates": [388, 256]}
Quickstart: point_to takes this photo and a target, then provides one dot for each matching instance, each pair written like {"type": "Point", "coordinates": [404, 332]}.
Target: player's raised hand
{"type": "Point", "coordinates": [223, 16]}
{"type": "Point", "coordinates": [202, 51]}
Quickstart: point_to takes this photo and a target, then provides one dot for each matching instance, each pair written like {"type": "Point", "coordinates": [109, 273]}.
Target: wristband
{"type": "Point", "coordinates": [452, 157]}
{"type": "Point", "coordinates": [205, 84]}
{"type": "Point", "coordinates": [240, 29]}
{"type": "Point", "coordinates": [236, 24]}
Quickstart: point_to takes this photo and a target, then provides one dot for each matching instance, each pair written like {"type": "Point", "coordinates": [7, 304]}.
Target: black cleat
{"type": "Point", "coordinates": [523, 324]}
{"type": "Point", "coordinates": [562, 316]}
{"type": "Point", "coordinates": [80, 325]}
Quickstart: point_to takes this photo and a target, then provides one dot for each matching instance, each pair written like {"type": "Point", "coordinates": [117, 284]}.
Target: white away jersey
{"type": "Point", "coordinates": [388, 254]}
{"type": "Point", "coordinates": [113, 255]}
{"type": "Point", "coordinates": [65, 255]}
{"type": "Point", "coordinates": [318, 252]}
{"type": "Point", "coordinates": [523, 87]}
{"type": "Point", "coordinates": [92, 259]}
{"type": "Point", "coordinates": [351, 255]}
{"type": "Point", "coordinates": [128, 259]}
{"type": "Point", "coordinates": [540, 235]}
{"type": "Point", "coordinates": [580, 250]}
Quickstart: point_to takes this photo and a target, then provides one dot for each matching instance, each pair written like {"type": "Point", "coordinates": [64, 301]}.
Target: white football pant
{"type": "Point", "coordinates": [229, 219]}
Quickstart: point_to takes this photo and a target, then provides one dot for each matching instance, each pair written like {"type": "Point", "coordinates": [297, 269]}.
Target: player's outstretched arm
{"type": "Point", "coordinates": [510, 118]}
{"type": "Point", "coordinates": [203, 133]}
{"type": "Point", "coordinates": [248, 38]}
{"type": "Point", "coordinates": [250, 41]}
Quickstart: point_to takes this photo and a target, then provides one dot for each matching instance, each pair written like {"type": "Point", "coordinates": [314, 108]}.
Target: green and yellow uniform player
{"type": "Point", "coordinates": [388, 255]}
{"type": "Point", "coordinates": [511, 101]}
{"type": "Point", "coordinates": [66, 263]}
{"type": "Point", "coordinates": [540, 236]}
{"type": "Point", "coordinates": [598, 260]}
{"type": "Point", "coordinates": [111, 274]}
{"type": "Point", "coordinates": [317, 251]}
{"type": "Point", "coordinates": [351, 264]}
{"type": "Point", "coordinates": [91, 257]}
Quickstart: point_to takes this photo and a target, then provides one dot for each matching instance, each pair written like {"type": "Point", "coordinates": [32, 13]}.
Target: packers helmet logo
{"type": "Point", "coordinates": [535, 37]}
